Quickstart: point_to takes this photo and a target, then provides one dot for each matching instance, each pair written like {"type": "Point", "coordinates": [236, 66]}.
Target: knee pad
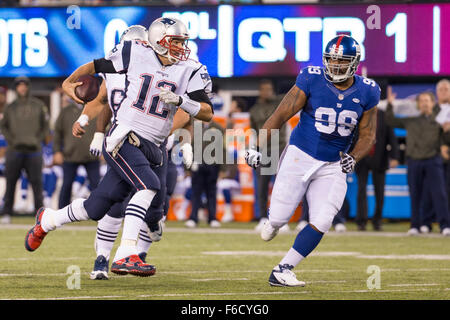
{"type": "Point", "coordinates": [322, 220]}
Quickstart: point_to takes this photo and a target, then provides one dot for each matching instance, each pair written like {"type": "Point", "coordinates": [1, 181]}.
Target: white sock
{"type": "Point", "coordinates": [144, 241]}
{"type": "Point", "coordinates": [134, 218]}
{"type": "Point", "coordinates": [292, 258]}
{"type": "Point", "coordinates": [107, 231]}
{"type": "Point", "coordinates": [74, 212]}
{"type": "Point", "coordinates": [76, 186]}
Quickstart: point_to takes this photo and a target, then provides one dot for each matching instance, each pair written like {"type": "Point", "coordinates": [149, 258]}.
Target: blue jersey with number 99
{"type": "Point", "coordinates": [330, 116]}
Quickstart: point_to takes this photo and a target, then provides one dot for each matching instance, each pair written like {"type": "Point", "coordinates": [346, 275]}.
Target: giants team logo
{"type": "Point", "coordinates": [336, 52]}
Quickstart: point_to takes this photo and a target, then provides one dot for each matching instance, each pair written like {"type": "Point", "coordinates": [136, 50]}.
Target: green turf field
{"type": "Point", "coordinates": [229, 263]}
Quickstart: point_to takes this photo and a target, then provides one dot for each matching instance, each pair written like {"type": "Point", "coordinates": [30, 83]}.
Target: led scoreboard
{"type": "Point", "coordinates": [234, 41]}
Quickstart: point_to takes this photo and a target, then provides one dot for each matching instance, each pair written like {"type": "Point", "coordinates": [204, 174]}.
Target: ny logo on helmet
{"type": "Point", "coordinates": [168, 21]}
{"type": "Point", "coordinates": [336, 52]}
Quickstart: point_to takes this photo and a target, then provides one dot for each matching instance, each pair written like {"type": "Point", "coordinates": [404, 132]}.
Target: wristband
{"type": "Point", "coordinates": [190, 106]}
{"type": "Point", "coordinates": [83, 120]}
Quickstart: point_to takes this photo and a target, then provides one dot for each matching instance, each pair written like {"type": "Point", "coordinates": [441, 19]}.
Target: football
{"type": "Point", "coordinates": [88, 90]}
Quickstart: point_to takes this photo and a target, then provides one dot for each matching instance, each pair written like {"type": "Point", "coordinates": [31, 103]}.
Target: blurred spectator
{"type": "Point", "coordinates": [2, 137]}
{"type": "Point", "coordinates": [442, 109]}
{"type": "Point", "coordinates": [238, 105]}
{"type": "Point", "coordinates": [71, 152]}
{"type": "Point", "coordinates": [216, 100]}
{"type": "Point", "coordinates": [263, 108]}
{"type": "Point", "coordinates": [443, 101]}
{"type": "Point", "coordinates": [383, 155]}
{"type": "Point", "coordinates": [25, 126]}
{"type": "Point", "coordinates": [50, 176]}
{"type": "Point", "coordinates": [204, 178]}
{"type": "Point", "coordinates": [425, 167]}
{"type": "Point", "coordinates": [2, 142]}
{"type": "Point", "coordinates": [2, 101]}
{"type": "Point", "coordinates": [228, 182]}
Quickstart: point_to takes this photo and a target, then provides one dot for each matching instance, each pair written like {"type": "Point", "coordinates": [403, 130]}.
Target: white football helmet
{"type": "Point", "coordinates": [135, 32]}
{"type": "Point", "coordinates": [162, 32]}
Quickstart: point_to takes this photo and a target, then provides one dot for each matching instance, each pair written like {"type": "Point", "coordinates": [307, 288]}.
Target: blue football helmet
{"type": "Point", "coordinates": [345, 53]}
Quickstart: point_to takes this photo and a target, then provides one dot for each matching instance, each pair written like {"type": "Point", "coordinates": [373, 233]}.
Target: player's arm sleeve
{"type": "Point", "coordinates": [303, 81]}
{"type": "Point", "coordinates": [116, 61]}
{"type": "Point", "coordinates": [200, 96]}
{"type": "Point", "coordinates": [373, 97]}
{"type": "Point", "coordinates": [199, 86]}
{"type": "Point", "coordinates": [199, 80]}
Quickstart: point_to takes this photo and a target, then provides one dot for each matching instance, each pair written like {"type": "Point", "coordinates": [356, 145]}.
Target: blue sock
{"type": "Point", "coordinates": [227, 195]}
{"type": "Point", "coordinates": [307, 240]}
{"type": "Point", "coordinates": [80, 179]}
{"type": "Point", "coordinates": [188, 194]}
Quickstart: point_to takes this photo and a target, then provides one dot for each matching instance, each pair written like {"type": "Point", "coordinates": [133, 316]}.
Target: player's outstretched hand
{"type": "Point", "coordinates": [253, 158]}
{"type": "Point", "coordinates": [96, 145]}
{"type": "Point", "coordinates": [188, 155]}
{"type": "Point", "coordinates": [347, 162]}
{"type": "Point", "coordinates": [168, 96]}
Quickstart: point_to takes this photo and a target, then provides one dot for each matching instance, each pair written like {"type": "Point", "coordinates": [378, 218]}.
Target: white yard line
{"type": "Point", "coordinates": [221, 279]}
{"type": "Point", "coordinates": [413, 285]}
{"type": "Point", "coordinates": [334, 254]}
{"type": "Point", "coordinates": [289, 291]}
{"type": "Point", "coordinates": [299, 271]}
{"type": "Point", "coordinates": [234, 231]}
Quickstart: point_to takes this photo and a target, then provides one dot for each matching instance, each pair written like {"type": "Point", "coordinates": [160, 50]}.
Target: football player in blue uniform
{"type": "Point", "coordinates": [333, 102]}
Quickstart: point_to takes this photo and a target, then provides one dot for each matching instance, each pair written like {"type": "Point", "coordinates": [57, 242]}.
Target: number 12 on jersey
{"type": "Point", "coordinates": [154, 108]}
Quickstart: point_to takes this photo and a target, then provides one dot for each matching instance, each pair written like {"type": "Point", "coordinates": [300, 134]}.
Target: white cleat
{"type": "Point", "coordinates": [268, 231]}
{"type": "Point", "coordinates": [190, 224]}
{"type": "Point", "coordinates": [228, 214]}
{"type": "Point", "coordinates": [413, 232]}
{"type": "Point", "coordinates": [5, 219]}
{"type": "Point", "coordinates": [98, 275]}
{"type": "Point", "coordinates": [215, 224]}
{"type": "Point", "coordinates": [285, 229]}
{"type": "Point", "coordinates": [100, 271]}
{"type": "Point", "coordinates": [155, 233]}
{"type": "Point", "coordinates": [446, 232]}
{"type": "Point", "coordinates": [301, 225]}
{"type": "Point", "coordinates": [260, 224]}
{"type": "Point", "coordinates": [424, 229]}
{"type": "Point", "coordinates": [282, 276]}
{"type": "Point", "coordinates": [340, 227]}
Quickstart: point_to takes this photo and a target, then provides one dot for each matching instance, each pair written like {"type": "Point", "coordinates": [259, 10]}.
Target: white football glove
{"type": "Point", "coordinates": [347, 162]}
{"type": "Point", "coordinates": [96, 144]}
{"type": "Point", "coordinates": [168, 96]}
{"type": "Point", "coordinates": [253, 158]}
{"type": "Point", "coordinates": [188, 155]}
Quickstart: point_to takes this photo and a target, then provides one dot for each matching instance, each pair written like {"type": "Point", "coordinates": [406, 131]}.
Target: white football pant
{"type": "Point", "coordinates": [323, 182]}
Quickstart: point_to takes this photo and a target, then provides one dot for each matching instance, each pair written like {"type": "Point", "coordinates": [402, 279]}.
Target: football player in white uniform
{"type": "Point", "coordinates": [159, 79]}
{"type": "Point", "coordinates": [105, 105]}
